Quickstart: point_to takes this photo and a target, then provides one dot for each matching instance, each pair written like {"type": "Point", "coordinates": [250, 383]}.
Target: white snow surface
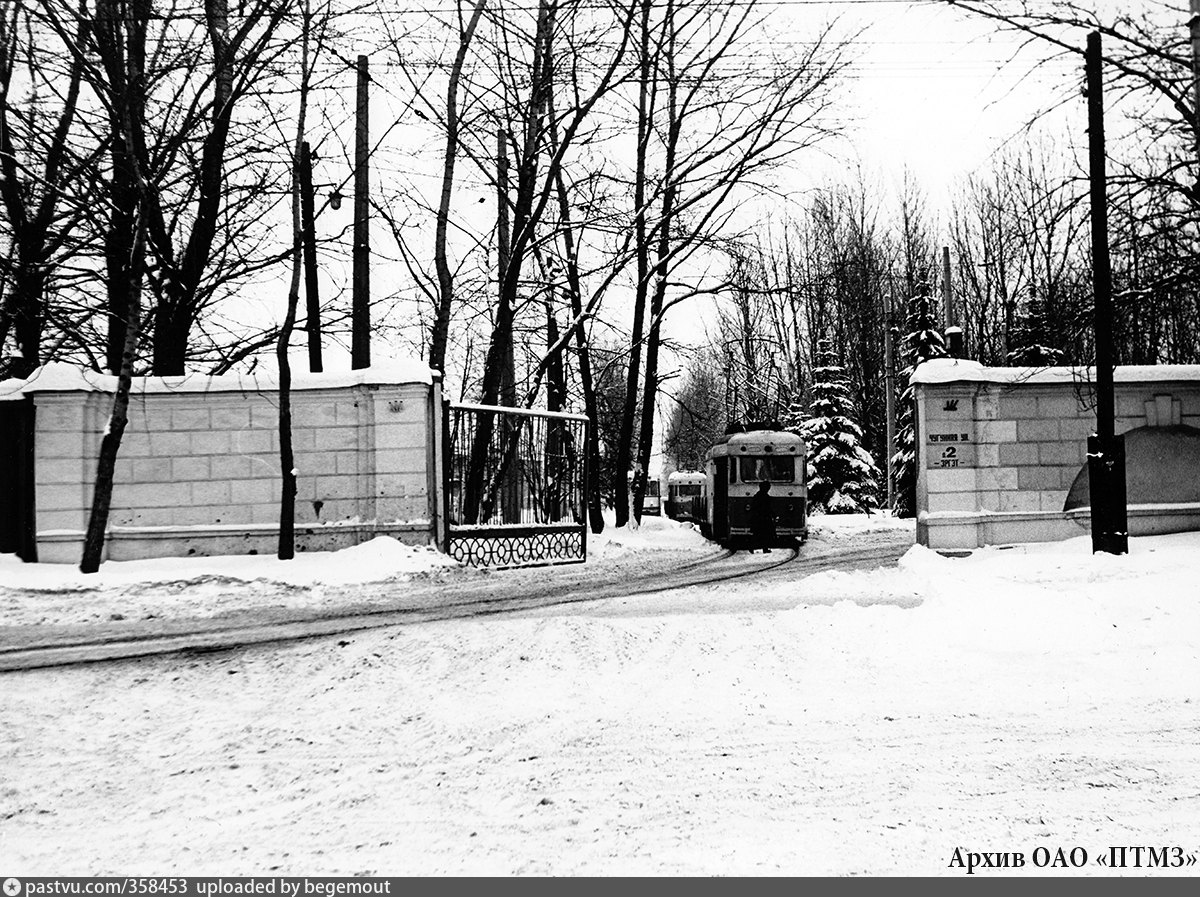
{"type": "Point", "coordinates": [853, 721]}
{"type": "Point", "coordinates": [175, 588]}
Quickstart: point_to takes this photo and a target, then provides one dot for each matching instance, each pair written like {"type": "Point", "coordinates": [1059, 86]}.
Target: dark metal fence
{"type": "Point", "coordinates": [515, 486]}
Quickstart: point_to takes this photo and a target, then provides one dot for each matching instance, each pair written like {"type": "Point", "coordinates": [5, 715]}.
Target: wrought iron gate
{"type": "Point", "coordinates": [514, 489]}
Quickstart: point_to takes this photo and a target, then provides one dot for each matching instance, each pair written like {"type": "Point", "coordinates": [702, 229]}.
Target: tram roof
{"type": "Point", "coordinates": [686, 476]}
{"type": "Point", "coordinates": [758, 442]}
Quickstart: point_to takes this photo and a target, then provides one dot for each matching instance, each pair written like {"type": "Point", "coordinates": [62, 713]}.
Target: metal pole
{"type": "Point", "coordinates": [889, 380]}
{"type": "Point", "coordinates": [1194, 27]}
{"type": "Point", "coordinates": [360, 337]}
{"type": "Point", "coordinates": [312, 322]}
{"type": "Point", "coordinates": [510, 511]}
{"type": "Point", "coordinates": [1106, 468]}
{"type": "Point", "coordinates": [947, 296]}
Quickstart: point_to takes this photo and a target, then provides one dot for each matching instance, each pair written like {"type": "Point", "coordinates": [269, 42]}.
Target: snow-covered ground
{"type": "Point", "coordinates": [844, 722]}
{"type": "Point", "coordinates": [204, 587]}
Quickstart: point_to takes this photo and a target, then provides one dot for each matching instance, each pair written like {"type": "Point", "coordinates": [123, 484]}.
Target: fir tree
{"type": "Point", "coordinates": [795, 415]}
{"type": "Point", "coordinates": [842, 476]}
{"type": "Point", "coordinates": [922, 343]}
{"type": "Point", "coordinates": [1031, 342]}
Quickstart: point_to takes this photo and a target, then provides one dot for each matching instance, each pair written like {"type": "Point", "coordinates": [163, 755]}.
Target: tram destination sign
{"type": "Point", "coordinates": [949, 449]}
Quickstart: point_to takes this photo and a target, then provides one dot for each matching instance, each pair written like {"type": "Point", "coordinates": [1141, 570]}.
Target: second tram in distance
{"type": "Point", "coordinates": [685, 496]}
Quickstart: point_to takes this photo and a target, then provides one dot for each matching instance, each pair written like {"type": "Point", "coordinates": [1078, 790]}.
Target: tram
{"type": "Point", "coordinates": [652, 500]}
{"type": "Point", "coordinates": [686, 491]}
{"type": "Point", "coordinates": [735, 466]}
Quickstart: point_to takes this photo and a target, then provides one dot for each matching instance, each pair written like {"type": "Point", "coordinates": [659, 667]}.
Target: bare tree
{"type": "Point", "coordinates": [38, 167]}
{"type": "Point", "coordinates": [203, 182]}
{"type": "Point", "coordinates": [537, 136]}
{"type": "Point", "coordinates": [1150, 67]}
{"type": "Point", "coordinates": [120, 32]}
{"type": "Point", "coordinates": [697, 415]}
{"type": "Point", "coordinates": [287, 463]}
{"type": "Point", "coordinates": [719, 121]}
{"type": "Point", "coordinates": [440, 327]}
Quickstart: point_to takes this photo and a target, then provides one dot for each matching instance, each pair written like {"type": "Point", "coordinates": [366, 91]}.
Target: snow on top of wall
{"type": "Point", "coordinates": [61, 377]}
{"type": "Point", "coordinates": [11, 390]}
{"type": "Point", "coordinates": [960, 370]}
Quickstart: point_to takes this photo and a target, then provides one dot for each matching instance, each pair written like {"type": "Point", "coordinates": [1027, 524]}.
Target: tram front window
{"type": "Point", "coordinates": [776, 468]}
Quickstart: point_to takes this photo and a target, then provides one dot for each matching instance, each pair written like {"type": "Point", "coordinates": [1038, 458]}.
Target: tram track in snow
{"type": "Point", "coordinates": [469, 599]}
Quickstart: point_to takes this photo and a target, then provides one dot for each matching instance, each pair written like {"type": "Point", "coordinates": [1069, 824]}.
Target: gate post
{"type": "Point", "coordinates": [447, 464]}
{"type": "Point", "coordinates": [437, 456]}
{"type": "Point", "coordinates": [583, 488]}
{"type": "Point", "coordinates": [18, 529]}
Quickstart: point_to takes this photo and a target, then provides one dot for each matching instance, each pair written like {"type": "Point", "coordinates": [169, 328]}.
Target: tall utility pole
{"type": "Point", "coordinates": [508, 389]}
{"type": "Point", "coordinates": [509, 496]}
{"type": "Point", "coordinates": [947, 295]}
{"type": "Point", "coordinates": [312, 300]}
{"type": "Point", "coordinates": [889, 383]}
{"type": "Point", "coordinates": [360, 312]}
{"type": "Point", "coordinates": [1194, 27]}
{"type": "Point", "coordinates": [1106, 451]}
{"type": "Point", "coordinates": [950, 329]}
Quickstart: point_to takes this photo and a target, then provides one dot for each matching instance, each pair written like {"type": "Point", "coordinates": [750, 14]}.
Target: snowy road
{"type": "Point", "coordinates": [868, 721]}
{"type": "Point", "coordinates": [463, 593]}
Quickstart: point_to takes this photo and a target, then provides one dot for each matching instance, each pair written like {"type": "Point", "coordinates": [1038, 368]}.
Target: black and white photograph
{"type": "Point", "coordinates": [597, 438]}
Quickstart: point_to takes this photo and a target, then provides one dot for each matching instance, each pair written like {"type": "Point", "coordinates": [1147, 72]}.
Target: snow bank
{"type": "Point", "coordinates": [841, 528]}
{"type": "Point", "coordinates": [654, 534]}
{"type": "Point", "coordinates": [382, 558]}
{"type": "Point", "coordinates": [181, 588]}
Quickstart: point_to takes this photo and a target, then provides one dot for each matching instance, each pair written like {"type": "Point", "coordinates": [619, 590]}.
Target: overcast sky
{"type": "Point", "coordinates": [934, 92]}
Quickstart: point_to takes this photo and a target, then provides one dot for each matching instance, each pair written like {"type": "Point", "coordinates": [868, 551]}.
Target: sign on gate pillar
{"type": "Point", "coordinates": [948, 450]}
{"type": "Point", "coordinates": [950, 434]}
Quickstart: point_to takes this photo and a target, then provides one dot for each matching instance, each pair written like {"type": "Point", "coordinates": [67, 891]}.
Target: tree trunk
{"type": "Point", "coordinates": [287, 460]}
{"type": "Point", "coordinates": [172, 325]}
{"type": "Point", "coordinates": [125, 39]}
{"type": "Point", "coordinates": [658, 290]}
{"type": "Point", "coordinates": [595, 502]}
{"type": "Point", "coordinates": [93, 543]}
{"type": "Point", "coordinates": [25, 307]}
{"type": "Point", "coordinates": [118, 248]}
{"type": "Point", "coordinates": [642, 248]}
{"type": "Point", "coordinates": [441, 322]}
{"type": "Point", "coordinates": [312, 296]}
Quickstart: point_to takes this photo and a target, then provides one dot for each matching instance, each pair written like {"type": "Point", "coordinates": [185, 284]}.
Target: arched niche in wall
{"type": "Point", "coordinates": [1162, 466]}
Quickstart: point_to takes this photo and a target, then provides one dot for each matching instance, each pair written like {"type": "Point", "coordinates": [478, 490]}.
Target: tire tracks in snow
{"type": "Point", "coordinates": [443, 601]}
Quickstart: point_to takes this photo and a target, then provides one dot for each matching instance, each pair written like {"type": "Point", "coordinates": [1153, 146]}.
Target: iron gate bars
{"type": "Point", "coordinates": [515, 485]}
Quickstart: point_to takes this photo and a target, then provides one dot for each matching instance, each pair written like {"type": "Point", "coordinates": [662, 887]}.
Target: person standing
{"type": "Point", "coordinates": [762, 520]}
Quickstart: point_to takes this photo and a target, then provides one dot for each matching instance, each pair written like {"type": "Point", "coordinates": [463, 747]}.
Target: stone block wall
{"type": "Point", "coordinates": [999, 448]}
{"type": "Point", "coordinates": [198, 471]}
